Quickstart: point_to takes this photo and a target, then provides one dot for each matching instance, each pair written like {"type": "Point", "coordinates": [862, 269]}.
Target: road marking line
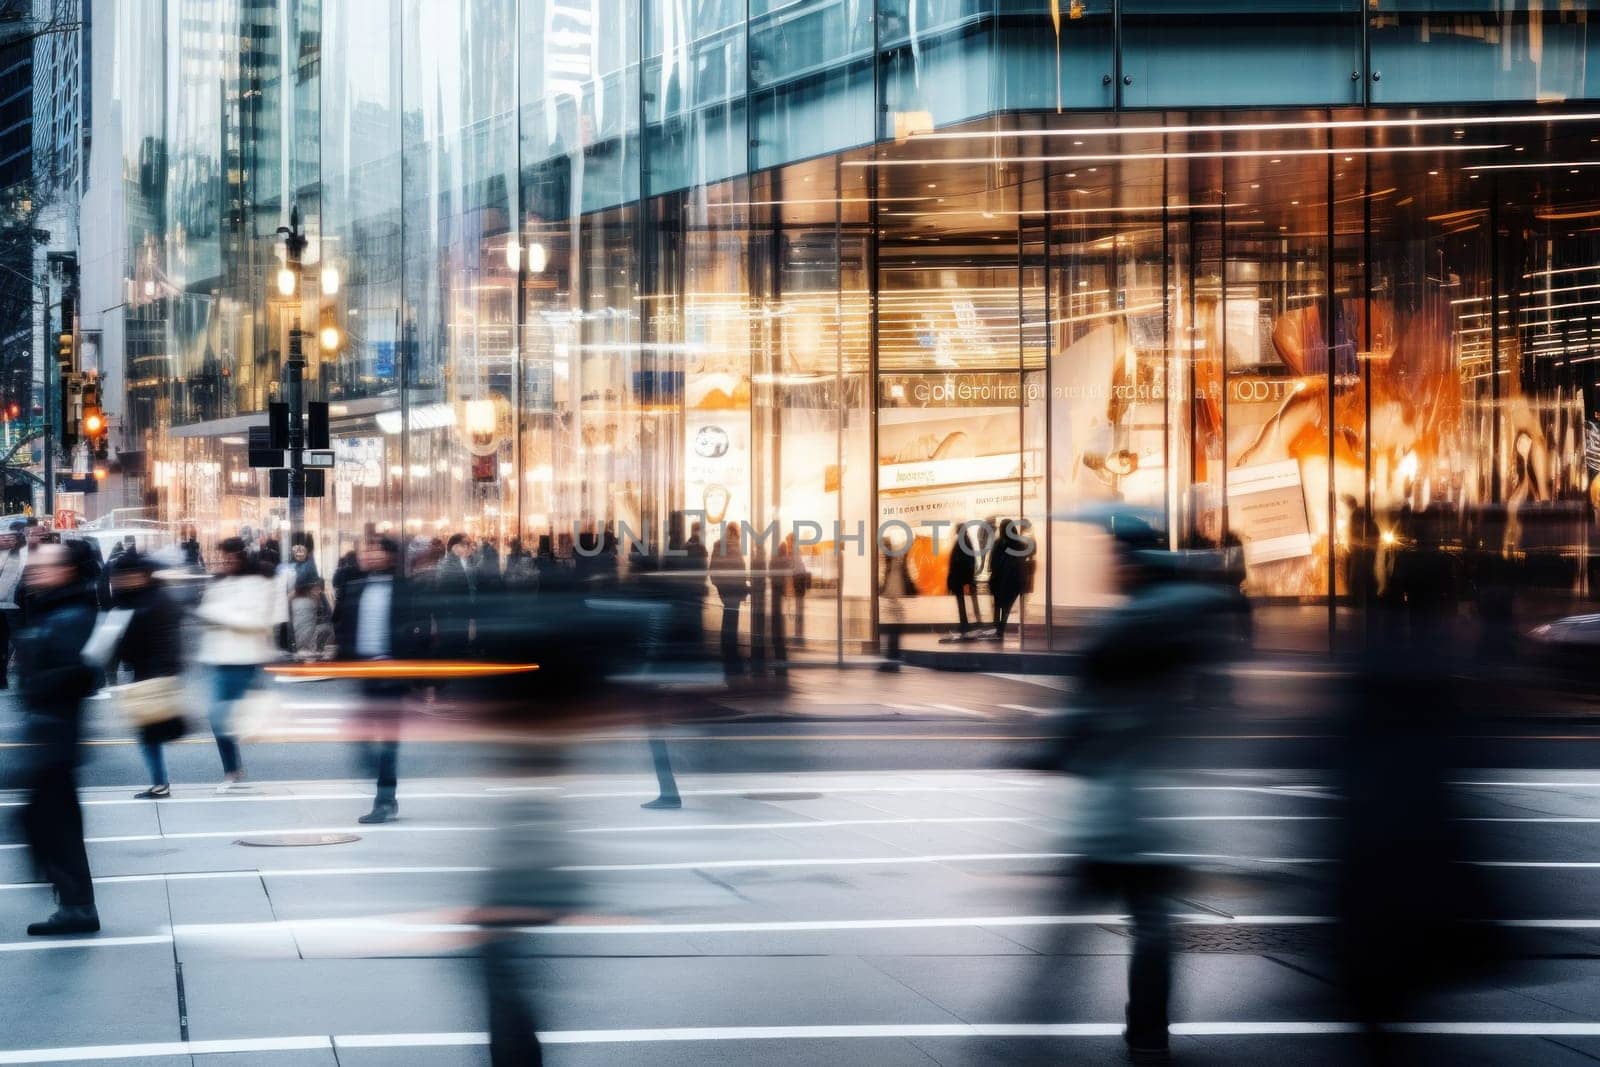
{"type": "Point", "coordinates": [809, 824]}
{"type": "Point", "coordinates": [655, 1035]}
{"type": "Point", "coordinates": [1533, 785]}
{"type": "Point", "coordinates": [957, 709]}
{"type": "Point", "coordinates": [288, 872]}
{"type": "Point", "coordinates": [799, 786]}
{"type": "Point", "coordinates": [87, 942]}
{"type": "Point", "coordinates": [1242, 818]}
{"type": "Point", "coordinates": [385, 925]}
{"type": "Point", "coordinates": [261, 798]}
{"type": "Point", "coordinates": [848, 861]}
{"type": "Point", "coordinates": [215, 834]}
{"type": "Point", "coordinates": [167, 1048]}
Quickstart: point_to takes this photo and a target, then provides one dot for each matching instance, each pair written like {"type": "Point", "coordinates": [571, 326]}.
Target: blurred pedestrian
{"type": "Point", "coordinates": [732, 581]}
{"type": "Point", "coordinates": [308, 619]}
{"type": "Point", "coordinates": [1009, 571]}
{"type": "Point", "coordinates": [961, 579]}
{"type": "Point", "coordinates": [189, 544]}
{"type": "Point", "coordinates": [552, 572]}
{"type": "Point", "coordinates": [486, 565]}
{"type": "Point", "coordinates": [1410, 902]}
{"type": "Point", "coordinates": [55, 680]}
{"type": "Point", "coordinates": [760, 581]}
{"type": "Point", "coordinates": [238, 611]}
{"type": "Point", "coordinates": [347, 570]}
{"type": "Point", "coordinates": [455, 589]}
{"type": "Point", "coordinates": [784, 579]}
{"type": "Point", "coordinates": [894, 587]}
{"type": "Point", "coordinates": [1137, 669]}
{"type": "Point", "coordinates": [150, 647]}
{"type": "Point", "coordinates": [521, 572]}
{"type": "Point", "coordinates": [373, 622]}
{"type": "Point", "coordinates": [11, 560]}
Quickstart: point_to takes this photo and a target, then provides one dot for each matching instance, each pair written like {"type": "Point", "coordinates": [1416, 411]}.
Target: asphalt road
{"type": "Point", "coordinates": [860, 873]}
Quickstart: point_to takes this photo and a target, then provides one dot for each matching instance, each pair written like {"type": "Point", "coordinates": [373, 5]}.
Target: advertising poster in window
{"type": "Point", "coordinates": [949, 452]}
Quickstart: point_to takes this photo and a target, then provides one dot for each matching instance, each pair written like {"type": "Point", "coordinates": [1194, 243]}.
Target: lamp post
{"type": "Point", "coordinates": [294, 246]}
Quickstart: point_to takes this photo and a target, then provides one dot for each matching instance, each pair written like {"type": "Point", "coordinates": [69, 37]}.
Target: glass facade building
{"type": "Point", "coordinates": [1273, 272]}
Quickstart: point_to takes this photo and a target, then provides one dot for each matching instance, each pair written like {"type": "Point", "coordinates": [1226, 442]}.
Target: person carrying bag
{"type": "Point", "coordinates": [150, 644]}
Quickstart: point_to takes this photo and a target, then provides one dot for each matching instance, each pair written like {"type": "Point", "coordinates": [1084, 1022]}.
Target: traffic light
{"type": "Point", "coordinates": [71, 409]}
{"type": "Point", "coordinates": [95, 427]}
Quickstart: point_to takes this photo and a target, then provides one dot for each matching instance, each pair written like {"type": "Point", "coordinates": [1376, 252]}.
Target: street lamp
{"type": "Point", "coordinates": [294, 246]}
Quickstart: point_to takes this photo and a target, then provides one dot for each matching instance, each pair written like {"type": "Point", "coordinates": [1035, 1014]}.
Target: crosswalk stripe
{"type": "Point", "coordinates": [658, 1035]}
{"type": "Point", "coordinates": [800, 824]}
{"type": "Point", "coordinates": [284, 872]}
{"type": "Point", "coordinates": [829, 861]}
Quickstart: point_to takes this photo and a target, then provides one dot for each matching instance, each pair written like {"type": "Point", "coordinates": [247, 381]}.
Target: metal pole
{"type": "Point", "coordinates": [50, 424]}
{"type": "Point", "coordinates": [51, 371]}
{"type": "Point", "coordinates": [294, 244]}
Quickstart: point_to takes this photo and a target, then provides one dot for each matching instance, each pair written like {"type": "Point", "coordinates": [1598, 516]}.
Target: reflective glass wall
{"type": "Point", "coordinates": [578, 265]}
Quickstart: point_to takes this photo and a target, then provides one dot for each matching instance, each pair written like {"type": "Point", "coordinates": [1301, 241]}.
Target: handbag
{"type": "Point", "coordinates": [150, 701]}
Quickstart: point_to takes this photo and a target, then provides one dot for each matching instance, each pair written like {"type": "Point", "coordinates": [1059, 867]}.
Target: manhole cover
{"type": "Point", "coordinates": [783, 796]}
{"type": "Point", "coordinates": [296, 840]}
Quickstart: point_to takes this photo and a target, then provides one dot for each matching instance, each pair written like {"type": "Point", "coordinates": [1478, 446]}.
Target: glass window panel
{"type": "Point", "coordinates": [1189, 53]}
{"type": "Point", "coordinates": [935, 78]}
{"type": "Point", "coordinates": [694, 93]}
{"type": "Point", "coordinates": [1054, 56]}
{"type": "Point", "coordinates": [1459, 50]}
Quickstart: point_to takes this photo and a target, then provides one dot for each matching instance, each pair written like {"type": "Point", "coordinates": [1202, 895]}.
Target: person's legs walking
{"type": "Point", "coordinates": [381, 748]}
{"type": "Point", "coordinates": [155, 761]}
{"type": "Point", "coordinates": [231, 682]}
{"type": "Point", "coordinates": [780, 644]}
{"type": "Point", "coordinates": [1150, 970]}
{"type": "Point", "coordinates": [667, 797]}
{"type": "Point", "coordinates": [961, 609]}
{"type": "Point", "coordinates": [731, 664]}
{"type": "Point", "coordinates": [55, 824]}
{"type": "Point", "coordinates": [5, 649]}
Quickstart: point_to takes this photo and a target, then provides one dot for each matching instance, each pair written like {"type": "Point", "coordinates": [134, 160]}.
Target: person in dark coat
{"type": "Point", "coordinates": [732, 581]}
{"type": "Point", "coordinates": [151, 648]}
{"type": "Point", "coordinates": [456, 590]}
{"type": "Point", "coordinates": [375, 621]}
{"type": "Point", "coordinates": [962, 577]}
{"type": "Point", "coordinates": [55, 680]}
{"type": "Point", "coordinates": [347, 570]}
{"type": "Point", "coordinates": [486, 567]}
{"type": "Point", "coordinates": [1010, 559]}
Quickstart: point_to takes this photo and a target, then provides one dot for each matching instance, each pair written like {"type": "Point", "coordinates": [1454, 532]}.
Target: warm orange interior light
{"type": "Point", "coordinates": [400, 668]}
{"type": "Point", "coordinates": [93, 423]}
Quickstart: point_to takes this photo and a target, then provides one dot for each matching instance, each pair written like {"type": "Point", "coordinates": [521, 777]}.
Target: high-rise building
{"type": "Point", "coordinates": [1280, 277]}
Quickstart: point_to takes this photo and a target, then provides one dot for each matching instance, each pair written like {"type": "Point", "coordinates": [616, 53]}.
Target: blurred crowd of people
{"type": "Point", "coordinates": [1409, 912]}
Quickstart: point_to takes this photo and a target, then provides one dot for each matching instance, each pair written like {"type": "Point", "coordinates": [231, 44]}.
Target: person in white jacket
{"type": "Point", "coordinates": [239, 613]}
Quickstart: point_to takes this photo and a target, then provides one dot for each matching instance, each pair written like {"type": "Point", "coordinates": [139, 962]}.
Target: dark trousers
{"type": "Point", "coordinates": [780, 644]}
{"type": "Point", "coordinates": [961, 608]}
{"type": "Point", "coordinates": [380, 742]}
{"type": "Point", "coordinates": [666, 781]}
{"type": "Point", "coordinates": [1145, 889]}
{"type": "Point", "coordinates": [5, 649]}
{"type": "Point", "coordinates": [230, 682]}
{"type": "Point", "coordinates": [1002, 614]}
{"type": "Point", "coordinates": [758, 631]}
{"type": "Point", "coordinates": [53, 824]}
{"type": "Point", "coordinates": [732, 664]}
